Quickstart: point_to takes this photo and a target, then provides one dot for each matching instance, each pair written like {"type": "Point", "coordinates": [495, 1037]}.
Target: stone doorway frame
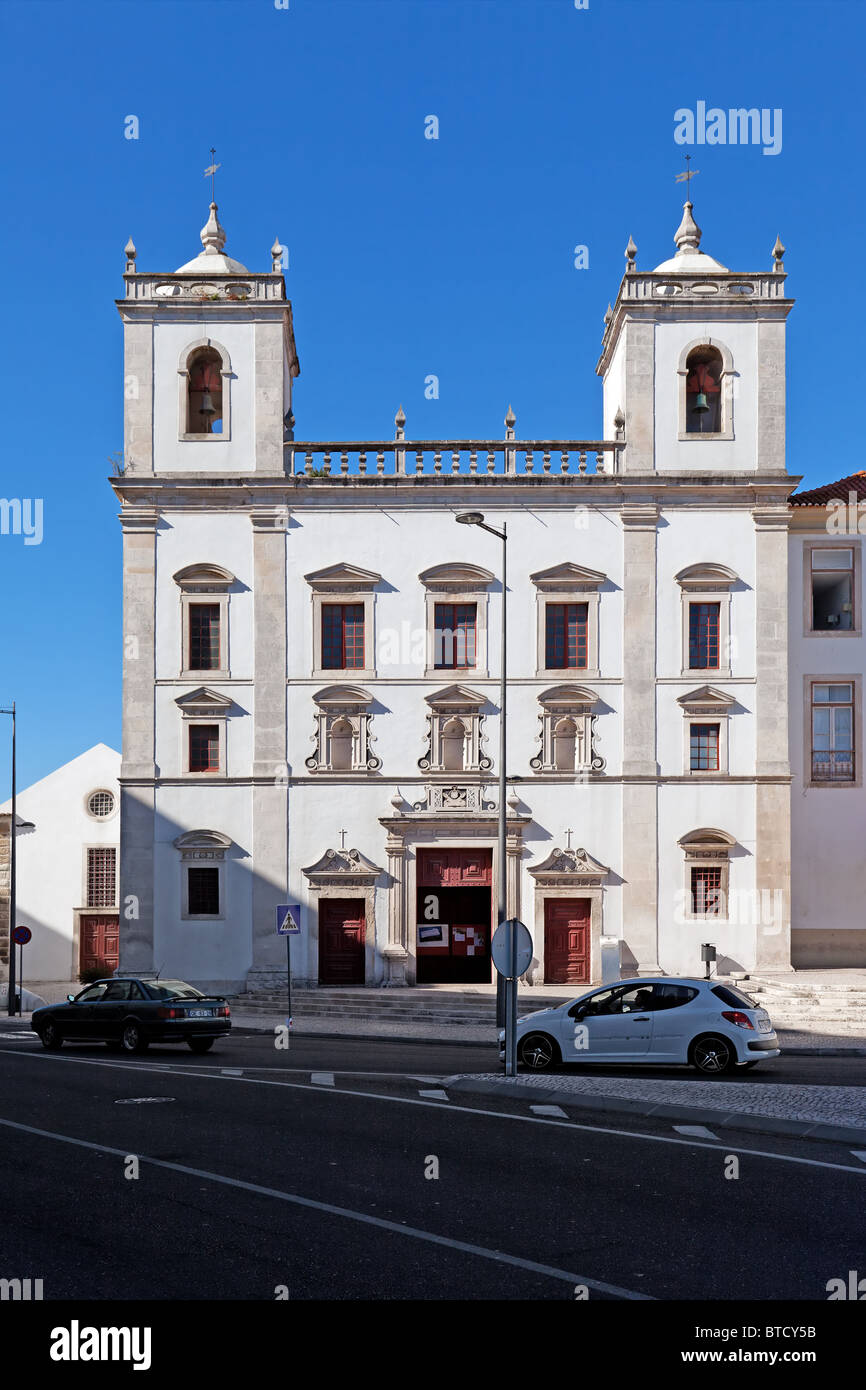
{"type": "Point", "coordinates": [569, 873]}
{"type": "Point", "coordinates": [343, 873]}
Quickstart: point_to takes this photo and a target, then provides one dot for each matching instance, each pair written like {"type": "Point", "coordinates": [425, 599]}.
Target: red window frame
{"type": "Point", "coordinates": [704, 624]}
{"type": "Point", "coordinates": [454, 636]}
{"type": "Point", "coordinates": [204, 636]}
{"type": "Point", "coordinates": [566, 627]}
{"type": "Point", "coordinates": [704, 747]}
{"type": "Point", "coordinates": [707, 891]}
{"type": "Point", "coordinates": [204, 747]}
{"type": "Point", "coordinates": [342, 636]}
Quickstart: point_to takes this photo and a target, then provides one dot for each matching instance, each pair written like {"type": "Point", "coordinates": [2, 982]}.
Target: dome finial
{"type": "Point", "coordinates": [688, 234]}
{"type": "Point", "coordinates": [213, 238]}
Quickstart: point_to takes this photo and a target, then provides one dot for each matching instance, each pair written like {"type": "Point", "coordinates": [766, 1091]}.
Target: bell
{"type": "Point", "coordinates": [207, 407]}
{"type": "Point", "coordinates": [700, 406]}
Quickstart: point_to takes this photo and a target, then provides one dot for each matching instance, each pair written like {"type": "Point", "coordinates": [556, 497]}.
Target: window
{"type": "Point", "coordinates": [704, 748]}
{"type": "Point", "coordinates": [454, 636]}
{"type": "Point", "coordinates": [100, 804]}
{"type": "Point", "coordinates": [832, 733]}
{"type": "Point", "coordinates": [706, 891]}
{"type": "Point", "coordinates": [118, 989]}
{"type": "Point", "coordinates": [204, 747]}
{"type": "Point", "coordinates": [203, 892]}
{"type": "Point", "coordinates": [453, 744]}
{"type": "Point", "coordinates": [704, 636]}
{"type": "Point", "coordinates": [568, 739]}
{"type": "Point", "coordinates": [455, 732]}
{"type": "Point", "coordinates": [564, 744]}
{"type": "Point", "coordinates": [343, 734]}
{"type": "Point", "coordinates": [566, 636]}
{"type": "Point", "coordinates": [204, 636]}
{"type": "Point", "coordinates": [204, 413]}
{"type": "Point", "coordinates": [342, 636]}
{"type": "Point", "coordinates": [832, 589]}
{"type": "Point", "coordinates": [101, 875]}
{"type": "Point", "coordinates": [704, 391]}
{"type": "Point", "coordinates": [734, 998]}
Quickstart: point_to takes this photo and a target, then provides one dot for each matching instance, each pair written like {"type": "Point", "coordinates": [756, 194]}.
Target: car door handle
{"type": "Point", "coordinates": [642, 1018]}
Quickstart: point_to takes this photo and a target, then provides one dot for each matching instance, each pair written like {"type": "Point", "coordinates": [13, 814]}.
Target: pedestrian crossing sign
{"type": "Point", "coordinates": [289, 919]}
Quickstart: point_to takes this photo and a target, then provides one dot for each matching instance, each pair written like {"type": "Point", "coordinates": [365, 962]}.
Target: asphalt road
{"type": "Point", "coordinates": [258, 1170]}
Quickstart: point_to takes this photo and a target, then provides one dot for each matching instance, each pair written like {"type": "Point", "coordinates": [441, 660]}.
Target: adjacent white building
{"type": "Point", "coordinates": [310, 707]}
{"type": "Point", "coordinates": [67, 844]}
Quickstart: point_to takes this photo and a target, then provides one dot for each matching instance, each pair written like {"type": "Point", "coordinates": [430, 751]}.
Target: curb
{"type": "Point", "coordinates": [694, 1114]}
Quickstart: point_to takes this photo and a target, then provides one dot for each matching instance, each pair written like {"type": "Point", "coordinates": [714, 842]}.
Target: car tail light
{"type": "Point", "coordinates": [224, 1012]}
{"type": "Point", "coordinates": [169, 1013]}
{"type": "Point", "coordinates": [740, 1019]}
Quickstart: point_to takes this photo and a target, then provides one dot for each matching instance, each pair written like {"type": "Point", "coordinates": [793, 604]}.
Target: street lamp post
{"type": "Point", "coordinates": [477, 519]}
{"type": "Point", "coordinates": [11, 998]}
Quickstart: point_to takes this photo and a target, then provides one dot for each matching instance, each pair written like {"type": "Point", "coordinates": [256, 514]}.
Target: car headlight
{"type": "Point", "coordinates": [501, 1035]}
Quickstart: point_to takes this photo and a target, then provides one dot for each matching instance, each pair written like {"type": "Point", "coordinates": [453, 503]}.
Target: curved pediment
{"type": "Point", "coordinates": [708, 837]}
{"type": "Point", "coordinates": [343, 578]}
{"type": "Point", "coordinates": [456, 697]}
{"type": "Point", "coordinates": [456, 575]}
{"type": "Point", "coordinates": [342, 695]}
{"type": "Point", "coordinates": [568, 576]}
{"type": "Point", "coordinates": [203, 839]}
{"type": "Point", "coordinates": [204, 578]}
{"type": "Point", "coordinates": [707, 575]}
{"type": "Point", "coordinates": [567, 696]}
{"type": "Point", "coordinates": [570, 866]}
{"type": "Point", "coordinates": [348, 866]}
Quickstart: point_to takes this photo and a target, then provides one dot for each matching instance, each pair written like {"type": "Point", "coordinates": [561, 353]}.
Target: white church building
{"type": "Point", "coordinates": [311, 657]}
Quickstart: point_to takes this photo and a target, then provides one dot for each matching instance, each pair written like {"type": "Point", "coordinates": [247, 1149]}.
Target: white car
{"type": "Point", "coordinates": [662, 1021]}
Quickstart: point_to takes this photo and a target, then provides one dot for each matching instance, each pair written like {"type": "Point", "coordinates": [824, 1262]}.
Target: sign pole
{"type": "Point", "coordinates": [289, 984]}
{"type": "Point", "coordinates": [21, 976]}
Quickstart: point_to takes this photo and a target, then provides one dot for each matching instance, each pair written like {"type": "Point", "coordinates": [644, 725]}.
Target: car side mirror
{"type": "Point", "coordinates": [70, 998]}
{"type": "Point", "coordinates": [579, 1011]}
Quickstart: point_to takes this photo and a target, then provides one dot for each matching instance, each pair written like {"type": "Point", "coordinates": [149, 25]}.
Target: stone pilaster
{"type": "Point", "coordinates": [396, 951]}
{"type": "Point", "coordinates": [269, 397]}
{"type": "Point", "coordinates": [639, 797]}
{"type": "Point", "coordinates": [639, 402]}
{"type": "Point", "coordinates": [771, 397]}
{"type": "Point", "coordinates": [772, 797]}
{"type": "Point", "coordinates": [138, 396]}
{"type": "Point", "coordinates": [138, 768]}
{"type": "Point", "coordinates": [270, 772]}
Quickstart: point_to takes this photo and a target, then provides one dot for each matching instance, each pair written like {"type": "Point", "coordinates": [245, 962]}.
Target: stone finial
{"type": "Point", "coordinates": [397, 800]}
{"type": "Point", "coordinates": [619, 422]}
{"type": "Point", "coordinates": [513, 800]}
{"type": "Point", "coordinates": [130, 254]}
{"type": "Point", "coordinates": [630, 253]}
{"type": "Point", "coordinates": [778, 253]}
{"type": "Point", "coordinates": [688, 234]}
{"type": "Point", "coordinates": [608, 313]}
{"type": "Point", "coordinates": [276, 254]}
{"type": "Point", "coordinates": [400, 422]}
{"type": "Point", "coordinates": [213, 238]}
{"type": "Point", "coordinates": [510, 420]}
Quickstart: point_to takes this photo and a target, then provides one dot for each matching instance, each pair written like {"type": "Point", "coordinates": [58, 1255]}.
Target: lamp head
{"type": "Point", "coordinates": [470, 518]}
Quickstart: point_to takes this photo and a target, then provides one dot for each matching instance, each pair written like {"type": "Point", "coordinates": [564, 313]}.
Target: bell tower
{"type": "Point", "coordinates": [209, 364]}
{"type": "Point", "coordinates": [693, 356]}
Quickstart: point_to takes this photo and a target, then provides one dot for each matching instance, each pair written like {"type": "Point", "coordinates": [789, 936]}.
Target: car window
{"type": "Point", "coordinates": [673, 996]}
{"type": "Point", "coordinates": [136, 991]}
{"type": "Point", "coordinates": [638, 999]}
{"type": "Point", "coordinates": [87, 996]}
{"type": "Point", "coordinates": [735, 998]}
{"type": "Point", "coordinates": [607, 1001]}
{"type": "Point", "coordinates": [173, 989]}
{"type": "Point", "coordinates": [117, 989]}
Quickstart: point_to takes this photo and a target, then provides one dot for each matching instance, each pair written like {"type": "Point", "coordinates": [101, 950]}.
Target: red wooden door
{"type": "Point", "coordinates": [99, 944]}
{"type": "Point", "coordinates": [455, 868]}
{"type": "Point", "coordinates": [566, 941]}
{"type": "Point", "coordinates": [342, 934]}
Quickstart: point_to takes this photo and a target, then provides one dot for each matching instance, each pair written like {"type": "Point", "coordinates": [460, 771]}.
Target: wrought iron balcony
{"type": "Point", "coordinates": [832, 767]}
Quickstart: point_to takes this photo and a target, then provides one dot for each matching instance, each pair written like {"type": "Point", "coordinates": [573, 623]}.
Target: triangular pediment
{"type": "Point", "coordinates": [458, 574]}
{"type": "Point", "coordinates": [708, 697]}
{"type": "Point", "coordinates": [570, 864]}
{"type": "Point", "coordinates": [568, 575]}
{"type": "Point", "coordinates": [349, 864]}
{"type": "Point", "coordinates": [456, 697]}
{"type": "Point", "coordinates": [204, 698]}
{"type": "Point", "coordinates": [343, 578]}
{"type": "Point", "coordinates": [567, 696]}
{"type": "Point", "coordinates": [204, 577]}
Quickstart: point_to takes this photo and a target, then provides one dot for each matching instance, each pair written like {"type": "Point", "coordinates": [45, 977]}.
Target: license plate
{"type": "Point", "coordinates": [200, 1013]}
{"type": "Point", "coordinates": [764, 1024]}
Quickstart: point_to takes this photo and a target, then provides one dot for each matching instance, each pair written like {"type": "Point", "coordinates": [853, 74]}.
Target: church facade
{"type": "Point", "coordinates": [311, 655]}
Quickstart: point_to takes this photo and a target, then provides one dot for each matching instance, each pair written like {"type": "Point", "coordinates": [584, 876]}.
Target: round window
{"type": "Point", "coordinates": [100, 804]}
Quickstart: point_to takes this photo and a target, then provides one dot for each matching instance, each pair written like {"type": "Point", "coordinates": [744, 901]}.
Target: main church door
{"type": "Point", "coordinates": [454, 916]}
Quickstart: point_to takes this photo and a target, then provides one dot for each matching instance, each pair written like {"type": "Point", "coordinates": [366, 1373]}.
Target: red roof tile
{"type": "Point", "coordinates": [832, 492]}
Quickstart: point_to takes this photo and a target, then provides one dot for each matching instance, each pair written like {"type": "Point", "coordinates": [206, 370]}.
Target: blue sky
{"type": "Point", "coordinates": [408, 256]}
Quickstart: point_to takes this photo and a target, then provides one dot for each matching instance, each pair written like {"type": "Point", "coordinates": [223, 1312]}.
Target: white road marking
{"type": "Point", "coordinates": [322, 1078]}
{"type": "Point", "coordinates": [434, 1095]}
{"type": "Point", "coordinates": [145, 1100]}
{"type": "Point", "coordinates": [437, 1080]}
{"type": "Point", "coordinates": [499, 1256]}
{"type": "Point", "coordinates": [232, 1071]}
{"type": "Point", "coordinates": [459, 1110]}
{"type": "Point", "coordinates": [859, 1153]}
{"type": "Point", "coordinates": [555, 1110]}
{"type": "Point", "coordinates": [697, 1131]}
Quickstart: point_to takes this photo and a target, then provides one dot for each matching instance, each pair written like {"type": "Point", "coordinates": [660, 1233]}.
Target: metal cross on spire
{"type": "Point", "coordinates": [211, 169]}
{"type": "Point", "coordinates": [686, 176]}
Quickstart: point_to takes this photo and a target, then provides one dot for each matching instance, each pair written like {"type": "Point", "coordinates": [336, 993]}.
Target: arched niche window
{"type": "Point", "coordinates": [568, 741]}
{"type": "Point", "coordinates": [564, 740]}
{"type": "Point", "coordinates": [205, 374]}
{"type": "Point", "coordinates": [453, 744]}
{"type": "Point", "coordinates": [342, 735]}
{"type": "Point", "coordinates": [704, 391]}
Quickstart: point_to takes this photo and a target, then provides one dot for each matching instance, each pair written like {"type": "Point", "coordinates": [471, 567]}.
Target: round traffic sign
{"type": "Point", "coordinates": [21, 935]}
{"type": "Point", "coordinates": [501, 948]}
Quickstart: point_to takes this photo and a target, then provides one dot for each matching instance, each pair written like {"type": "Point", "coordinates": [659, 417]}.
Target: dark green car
{"type": "Point", "coordinates": [128, 1013]}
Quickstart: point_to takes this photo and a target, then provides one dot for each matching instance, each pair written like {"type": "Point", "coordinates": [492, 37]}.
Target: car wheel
{"type": "Point", "coordinates": [51, 1036]}
{"type": "Point", "coordinates": [132, 1039]}
{"type": "Point", "coordinates": [538, 1052]}
{"type": "Point", "coordinates": [712, 1055]}
{"type": "Point", "coordinates": [199, 1044]}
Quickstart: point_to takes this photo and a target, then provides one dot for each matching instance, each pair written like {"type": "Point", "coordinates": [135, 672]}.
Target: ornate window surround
{"type": "Point", "coordinates": [726, 381]}
{"type": "Point", "coordinates": [577, 702]}
{"type": "Point", "coordinates": [352, 703]}
{"type": "Point", "coordinates": [702, 706]}
{"type": "Point", "coordinates": [202, 849]}
{"type": "Point", "coordinates": [466, 705]}
{"type": "Point", "coordinates": [571, 873]}
{"type": "Point", "coordinates": [458, 582]}
{"type": "Point", "coordinates": [707, 582]}
{"type": "Point", "coordinates": [203, 706]}
{"type": "Point", "coordinates": [344, 583]}
{"type": "Point", "coordinates": [204, 583]}
{"type": "Point", "coordinates": [707, 848]}
{"type": "Point", "coordinates": [567, 583]}
{"type": "Point", "coordinates": [226, 373]}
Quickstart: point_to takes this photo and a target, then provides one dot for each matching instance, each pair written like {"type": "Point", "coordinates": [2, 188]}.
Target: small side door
{"type": "Point", "coordinates": [613, 1025]}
